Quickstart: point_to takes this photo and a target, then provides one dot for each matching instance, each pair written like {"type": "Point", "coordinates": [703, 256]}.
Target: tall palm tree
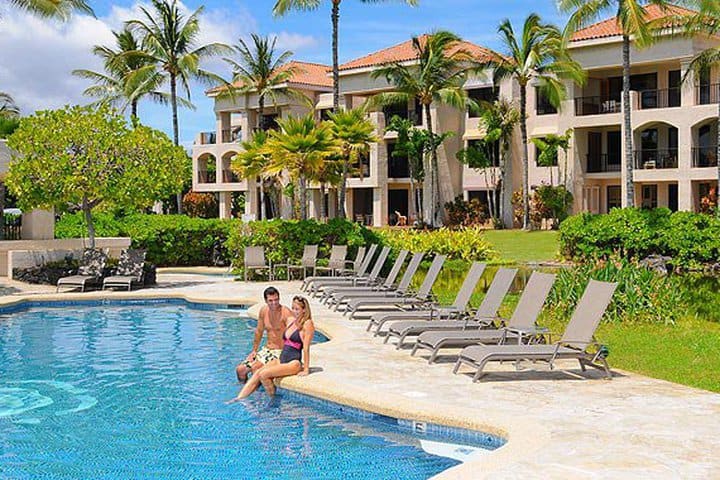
{"type": "Point", "coordinates": [633, 22]}
{"type": "Point", "coordinates": [169, 41]}
{"type": "Point", "coordinates": [8, 108]}
{"type": "Point", "coordinates": [438, 76]}
{"type": "Point", "coordinates": [329, 173]}
{"type": "Point", "coordinates": [125, 80]}
{"type": "Point", "coordinates": [355, 132]}
{"type": "Point", "coordinates": [262, 71]}
{"type": "Point", "coordinates": [253, 162]}
{"type": "Point", "coordinates": [283, 6]}
{"type": "Point", "coordinates": [300, 147]}
{"type": "Point", "coordinates": [57, 9]}
{"type": "Point", "coordinates": [539, 55]}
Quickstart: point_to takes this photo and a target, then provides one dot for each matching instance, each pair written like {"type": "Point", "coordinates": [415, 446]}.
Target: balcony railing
{"type": "Point", "coordinates": [656, 159]}
{"type": "Point", "coordinates": [703, 157]}
{"type": "Point", "coordinates": [596, 105]}
{"type": "Point", "coordinates": [707, 94]}
{"type": "Point", "coordinates": [231, 136]}
{"type": "Point", "coordinates": [663, 98]}
{"type": "Point", "coordinates": [207, 138]}
{"type": "Point", "coordinates": [601, 162]}
{"type": "Point", "coordinates": [229, 176]}
{"type": "Point", "coordinates": [205, 176]}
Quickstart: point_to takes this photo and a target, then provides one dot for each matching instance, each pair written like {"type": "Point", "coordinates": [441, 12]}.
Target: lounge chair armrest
{"type": "Point", "coordinates": [528, 331]}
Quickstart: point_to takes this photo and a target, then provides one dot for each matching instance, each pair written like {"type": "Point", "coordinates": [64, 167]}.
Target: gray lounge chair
{"type": "Point", "coordinates": [309, 259]}
{"type": "Point", "coordinates": [435, 311]}
{"type": "Point", "coordinates": [317, 286]}
{"type": "Point", "coordinates": [255, 260]}
{"type": "Point", "coordinates": [129, 271]}
{"type": "Point", "coordinates": [521, 325]}
{"type": "Point", "coordinates": [485, 315]}
{"type": "Point", "coordinates": [336, 264]}
{"type": "Point", "coordinates": [577, 343]}
{"type": "Point", "coordinates": [90, 271]}
{"type": "Point", "coordinates": [368, 283]}
{"type": "Point", "coordinates": [399, 300]}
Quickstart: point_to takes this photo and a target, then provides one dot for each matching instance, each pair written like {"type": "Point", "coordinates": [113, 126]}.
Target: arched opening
{"type": "Point", "coordinates": [656, 146]}
{"type": "Point", "coordinates": [206, 168]}
{"type": "Point", "coordinates": [228, 176]}
{"type": "Point", "coordinates": [704, 143]}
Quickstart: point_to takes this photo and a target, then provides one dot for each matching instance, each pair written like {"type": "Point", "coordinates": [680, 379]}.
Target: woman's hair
{"type": "Point", "coordinates": [306, 315]}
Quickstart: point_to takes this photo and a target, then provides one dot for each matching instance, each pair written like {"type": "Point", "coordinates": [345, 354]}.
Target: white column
{"type": "Point", "coordinates": [225, 205]}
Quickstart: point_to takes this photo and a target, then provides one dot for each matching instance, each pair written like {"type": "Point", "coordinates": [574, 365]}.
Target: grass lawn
{"type": "Point", "coordinates": [519, 246]}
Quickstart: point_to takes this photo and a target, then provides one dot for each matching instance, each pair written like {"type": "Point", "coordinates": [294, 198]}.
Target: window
{"type": "Point", "coordinates": [269, 122]}
{"type": "Point", "coordinates": [324, 114]}
{"type": "Point", "coordinates": [649, 196]}
{"type": "Point", "coordinates": [542, 104]}
{"type": "Point", "coordinates": [397, 166]}
{"type": "Point", "coordinates": [614, 197]}
{"type": "Point", "coordinates": [554, 162]}
{"type": "Point", "coordinates": [485, 94]}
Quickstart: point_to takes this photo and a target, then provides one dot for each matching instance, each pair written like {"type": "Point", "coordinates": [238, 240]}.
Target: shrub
{"type": "Point", "coordinates": [550, 202]}
{"type": "Point", "coordinates": [641, 295]}
{"type": "Point", "coordinates": [203, 205]}
{"type": "Point", "coordinates": [465, 213]}
{"type": "Point", "coordinates": [466, 244]}
{"type": "Point", "coordinates": [630, 233]}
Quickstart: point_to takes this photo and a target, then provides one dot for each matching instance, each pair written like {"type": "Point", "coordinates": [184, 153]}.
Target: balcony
{"type": "Point", "coordinates": [206, 176]}
{"type": "Point", "coordinates": [207, 138]}
{"type": "Point", "coordinates": [596, 105]}
{"type": "Point", "coordinates": [663, 98]}
{"type": "Point", "coordinates": [229, 176]}
{"type": "Point", "coordinates": [403, 112]}
{"type": "Point", "coordinates": [707, 94]}
{"type": "Point", "coordinates": [602, 163]}
{"type": "Point", "coordinates": [231, 135]}
{"type": "Point", "coordinates": [656, 159]}
{"type": "Point", "coordinates": [703, 157]}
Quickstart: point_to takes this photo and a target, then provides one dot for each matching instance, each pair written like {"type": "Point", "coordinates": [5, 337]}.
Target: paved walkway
{"type": "Point", "coordinates": [557, 425]}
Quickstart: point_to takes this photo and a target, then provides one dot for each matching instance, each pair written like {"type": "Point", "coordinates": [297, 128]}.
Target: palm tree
{"type": "Point", "coordinates": [57, 9]}
{"type": "Point", "coordinates": [539, 55]}
{"type": "Point", "coordinates": [439, 75]}
{"type": "Point", "coordinates": [329, 173]}
{"type": "Point", "coordinates": [125, 80]}
{"type": "Point", "coordinates": [169, 44]}
{"type": "Point", "coordinates": [253, 162]}
{"type": "Point", "coordinates": [412, 144]}
{"type": "Point", "coordinates": [262, 71]}
{"type": "Point", "coordinates": [283, 6]}
{"type": "Point", "coordinates": [355, 132]}
{"type": "Point", "coordinates": [631, 17]}
{"type": "Point", "coordinates": [8, 108]}
{"type": "Point", "coordinates": [300, 147]}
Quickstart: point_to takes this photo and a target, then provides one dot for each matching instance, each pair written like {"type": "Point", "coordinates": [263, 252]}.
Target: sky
{"type": "Point", "coordinates": [37, 56]}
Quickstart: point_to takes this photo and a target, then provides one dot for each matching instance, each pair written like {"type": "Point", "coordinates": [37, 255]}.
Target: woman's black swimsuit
{"type": "Point", "coordinates": [292, 349]}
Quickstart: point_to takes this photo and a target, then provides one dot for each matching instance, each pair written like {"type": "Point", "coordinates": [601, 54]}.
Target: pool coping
{"type": "Point", "coordinates": [521, 437]}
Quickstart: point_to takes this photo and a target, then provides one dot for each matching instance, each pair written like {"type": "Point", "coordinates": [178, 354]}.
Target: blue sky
{"type": "Point", "coordinates": [38, 57]}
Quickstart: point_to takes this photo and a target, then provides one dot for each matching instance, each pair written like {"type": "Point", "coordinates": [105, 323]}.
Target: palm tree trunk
{"type": "Point", "coordinates": [717, 159]}
{"type": "Point", "coordinates": [323, 213]}
{"type": "Point", "coordinates": [343, 189]}
{"type": "Point", "coordinates": [336, 67]}
{"type": "Point", "coordinates": [2, 210]}
{"type": "Point", "coordinates": [134, 109]}
{"type": "Point", "coordinates": [261, 111]}
{"type": "Point", "coordinates": [176, 130]}
{"type": "Point", "coordinates": [303, 198]}
{"type": "Point", "coordinates": [524, 137]}
{"type": "Point", "coordinates": [89, 222]}
{"type": "Point", "coordinates": [433, 211]}
{"type": "Point", "coordinates": [627, 124]}
{"type": "Point", "coordinates": [506, 192]}
{"type": "Point", "coordinates": [262, 199]}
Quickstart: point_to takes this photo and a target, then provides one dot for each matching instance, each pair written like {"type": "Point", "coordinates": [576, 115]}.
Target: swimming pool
{"type": "Point", "coordinates": [137, 391]}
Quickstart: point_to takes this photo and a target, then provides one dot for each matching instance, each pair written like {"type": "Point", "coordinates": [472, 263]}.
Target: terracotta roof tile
{"type": "Point", "coordinates": [311, 74]}
{"type": "Point", "coordinates": [610, 27]}
{"type": "Point", "coordinates": [404, 52]}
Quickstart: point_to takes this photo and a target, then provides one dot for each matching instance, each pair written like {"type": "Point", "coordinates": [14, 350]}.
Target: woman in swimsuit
{"type": "Point", "coordinates": [295, 355]}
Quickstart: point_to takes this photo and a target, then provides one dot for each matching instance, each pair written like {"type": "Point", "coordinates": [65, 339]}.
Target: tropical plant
{"type": "Point", "coordinates": [260, 70]}
{"type": "Point", "coordinates": [125, 80]}
{"type": "Point", "coordinates": [8, 108]}
{"type": "Point", "coordinates": [355, 132]}
{"type": "Point", "coordinates": [300, 147]}
{"type": "Point", "coordinates": [632, 19]}
{"type": "Point", "coordinates": [549, 147]}
{"type": "Point", "coordinates": [253, 162]}
{"type": "Point", "coordinates": [283, 6]}
{"type": "Point", "coordinates": [482, 156]}
{"type": "Point", "coordinates": [329, 173]}
{"type": "Point", "coordinates": [442, 68]}
{"type": "Point", "coordinates": [169, 45]}
{"type": "Point", "coordinates": [57, 9]}
{"type": "Point", "coordinates": [412, 144]}
{"type": "Point", "coordinates": [539, 55]}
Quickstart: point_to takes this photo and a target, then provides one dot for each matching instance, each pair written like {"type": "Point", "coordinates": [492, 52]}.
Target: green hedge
{"type": "Point", "coordinates": [467, 244]}
{"type": "Point", "coordinates": [691, 239]}
{"type": "Point", "coordinates": [170, 240]}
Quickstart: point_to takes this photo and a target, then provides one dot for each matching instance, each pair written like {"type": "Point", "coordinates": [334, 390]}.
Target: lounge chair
{"type": "Point", "coordinates": [365, 283]}
{"type": "Point", "coordinates": [577, 343]}
{"type": "Point", "coordinates": [318, 285]}
{"type": "Point", "coordinates": [485, 315]}
{"type": "Point", "coordinates": [255, 260]}
{"type": "Point", "coordinates": [399, 300]}
{"type": "Point", "coordinates": [90, 271]}
{"type": "Point", "coordinates": [521, 325]}
{"type": "Point", "coordinates": [309, 259]}
{"type": "Point", "coordinates": [435, 311]}
{"type": "Point", "coordinates": [129, 271]}
{"type": "Point", "coordinates": [336, 264]}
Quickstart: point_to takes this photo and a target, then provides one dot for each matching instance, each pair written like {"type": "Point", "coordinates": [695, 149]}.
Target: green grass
{"type": "Point", "coordinates": [518, 246]}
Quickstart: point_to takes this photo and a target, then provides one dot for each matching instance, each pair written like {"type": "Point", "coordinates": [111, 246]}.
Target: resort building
{"type": "Point", "coordinates": [674, 128]}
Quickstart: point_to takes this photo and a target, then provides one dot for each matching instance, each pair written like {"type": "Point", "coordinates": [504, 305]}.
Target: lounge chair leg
{"type": "Point", "coordinates": [582, 364]}
{"type": "Point", "coordinates": [433, 355]}
{"type": "Point", "coordinates": [387, 337]}
{"type": "Point", "coordinates": [457, 366]}
{"type": "Point", "coordinates": [415, 349]}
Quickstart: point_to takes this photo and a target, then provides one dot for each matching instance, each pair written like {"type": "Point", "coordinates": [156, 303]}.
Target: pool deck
{"type": "Point", "coordinates": [556, 425]}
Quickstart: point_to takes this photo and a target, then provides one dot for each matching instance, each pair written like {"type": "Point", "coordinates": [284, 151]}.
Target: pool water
{"type": "Point", "coordinates": [138, 392]}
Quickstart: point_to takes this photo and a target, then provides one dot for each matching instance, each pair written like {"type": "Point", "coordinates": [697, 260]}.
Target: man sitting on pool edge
{"type": "Point", "coordinates": [273, 320]}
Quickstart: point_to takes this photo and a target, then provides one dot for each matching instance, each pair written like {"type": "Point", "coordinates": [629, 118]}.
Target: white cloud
{"type": "Point", "coordinates": [294, 41]}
